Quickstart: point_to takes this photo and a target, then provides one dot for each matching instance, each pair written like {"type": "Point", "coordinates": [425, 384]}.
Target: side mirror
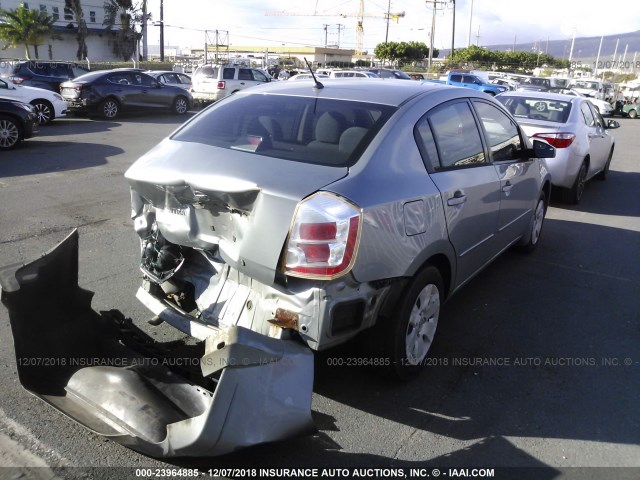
{"type": "Point", "coordinates": [612, 124]}
{"type": "Point", "coordinates": [542, 149]}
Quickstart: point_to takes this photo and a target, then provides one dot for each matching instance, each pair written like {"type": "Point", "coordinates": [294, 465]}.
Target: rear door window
{"type": "Point", "coordinates": [228, 73]}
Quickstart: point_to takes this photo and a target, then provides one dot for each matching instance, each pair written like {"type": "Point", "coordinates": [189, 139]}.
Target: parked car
{"type": "Point", "coordinates": [47, 104]}
{"type": "Point", "coordinates": [631, 110]}
{"type": "Point", "coordinates": [18, 121]}
{"type": "Point", "coordinates": [604, 107]}
{"type": "Point", "coordinates": [352, 74]}
{"type": "Point", "coordinates": [474, 81]}
{"type": "Point", "coordinates": [44, 74]}
{"type": "Point", "coordinates": [572, 124]}
{"type": "Point", "coordinates": [307, 76]}
{"type": "Point", "coordinates": [108, 93]}
{"type": "Point", "coordinates": [174, 79]}
{"type": "Point", "coordinates": [214, 82]}
{"type": "Point", "coordinates": [390, 73]}
{"type": "Point", "coordinates": [394, 197]}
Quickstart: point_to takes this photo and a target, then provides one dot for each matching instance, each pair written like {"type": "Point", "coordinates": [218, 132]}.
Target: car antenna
{"type": "Point", "coordinates": [318, 84]}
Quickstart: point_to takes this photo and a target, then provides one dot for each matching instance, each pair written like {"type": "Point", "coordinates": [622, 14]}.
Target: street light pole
{"type": "Point", "coordinates": [470, 20]}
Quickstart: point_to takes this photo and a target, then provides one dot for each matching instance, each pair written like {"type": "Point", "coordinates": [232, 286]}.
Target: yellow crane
{"type": "Point", "coordinates": [359, 25]}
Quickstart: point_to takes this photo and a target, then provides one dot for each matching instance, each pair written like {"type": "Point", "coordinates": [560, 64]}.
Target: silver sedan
{"type": "Point", "coordinates": [572, 124]}
{"type": "Point", "coordinates": [171, 78]}
{"type": "Point", "coordinates": [283, 219]}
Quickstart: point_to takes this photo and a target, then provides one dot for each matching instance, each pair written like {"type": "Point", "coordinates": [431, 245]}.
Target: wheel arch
{"type": "Point", "coordinates": [439, 261]}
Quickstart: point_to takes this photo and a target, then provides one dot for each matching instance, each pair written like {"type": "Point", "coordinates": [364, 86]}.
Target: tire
{"type": "Point", "coordinates": [109, 108]}
{"type": "Point", "coordinates": [602, 176]}
{"type": "Point", "coordinates": [573, 195]}
{"type": "Point", "coordinates": [10, 133]}
{"type": "Point", "coordinates": [180, 105]}
{"type": "Point", "coordinates": [537, 221]}
{"type": "Point", "coordinates": [44, 111]}
{"type": "Point", "coordinates": [405, 338]}
{"type": "Point", "coordinates": [633, 113]}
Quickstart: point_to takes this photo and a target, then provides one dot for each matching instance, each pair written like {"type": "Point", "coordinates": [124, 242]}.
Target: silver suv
{"type": "Point", "coordinates": [211, 83]}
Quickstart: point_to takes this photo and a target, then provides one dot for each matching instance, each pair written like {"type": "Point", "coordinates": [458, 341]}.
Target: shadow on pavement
{"type": "Point", "coordinates": [48, 157]}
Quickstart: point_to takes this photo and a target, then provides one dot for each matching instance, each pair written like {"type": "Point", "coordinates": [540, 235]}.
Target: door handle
{"type": "Point", "coordinates": [507, 187]}
{"type": "Point", "coordinates": [458, 199]}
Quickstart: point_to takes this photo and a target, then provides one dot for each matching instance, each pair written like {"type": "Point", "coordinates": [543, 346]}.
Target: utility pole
{"type": "Point", "coordinates": [453, 31]}
{"type": "Point", "coordinates": [162, 30]}
{"type": "Point", "coordinates": [326, 41]}
{"type": "Point", "coordinates": [145, 50]}
{"type": "Point", "coordinates": [340, 27]}
{"type": "Point", "coordinates": [436, 4]}
{"type": "Point", "coordinates": [386, 36]}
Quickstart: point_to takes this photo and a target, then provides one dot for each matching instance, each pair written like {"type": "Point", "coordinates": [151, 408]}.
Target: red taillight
{"type": "Point", "coordinates": [324, 236]}
{"type": "Point", "coordinates": [18, 80]}
{"type": "Point", "coordinates": [558, 140]}
{"type": "Point", "coordinates": [318, 231]}
{"type": "Point", "coordinates": [221, 85]}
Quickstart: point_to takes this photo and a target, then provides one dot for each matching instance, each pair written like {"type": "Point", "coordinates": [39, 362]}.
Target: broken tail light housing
{"type": "Point", "coordinates": [558, 140]}
{"type": "Point", "coordinates": [323, 238]}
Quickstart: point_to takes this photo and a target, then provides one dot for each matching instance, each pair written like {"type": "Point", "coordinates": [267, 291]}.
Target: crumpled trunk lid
{"type": "Point", "coordinates": [236, 389]}
{"type": "Point", "coordinates": [235, 203]}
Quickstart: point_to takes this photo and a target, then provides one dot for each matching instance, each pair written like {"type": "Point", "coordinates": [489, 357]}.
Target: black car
{"type": "Point", "coordinates": [18, 121]}
{"type": "Point", "coordinates": [108, 93]}
{"type": "Point", "coordinates": [388, 73]}
{"type": "Point", "coordinates": [47, 75]}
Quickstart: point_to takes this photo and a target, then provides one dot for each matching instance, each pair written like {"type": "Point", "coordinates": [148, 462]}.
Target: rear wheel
{"type": "Point", "coordinates": [573, 195]}
{"type": "Point", "coordinates": [109, 108]}
{"type": "Point", "coordinates": [633, 113]}
{"type": "Point", "coordinates": [180, 105]}
{"type": "Point", "coordinates": [9, 133]}
{"type": "Point", "coordinates": [602, 176]}
{"type": "Point", "coordinates": [44, 111]}
{"type": "Point", "coordinates": [406, 338]}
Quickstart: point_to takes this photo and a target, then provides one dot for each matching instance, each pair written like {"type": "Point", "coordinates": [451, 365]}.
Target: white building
{"type": "Point", "coordinates": [64, 47]}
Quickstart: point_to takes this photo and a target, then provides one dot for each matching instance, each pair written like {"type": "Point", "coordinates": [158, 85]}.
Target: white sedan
{"type": "Point", "coordinates": [47, 104]}
{"type": "Point", "coordinates": [604, 107]}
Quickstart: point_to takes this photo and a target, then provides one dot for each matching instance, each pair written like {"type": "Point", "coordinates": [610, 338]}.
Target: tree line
{"type": "Point", "coordinates": [32, 28]}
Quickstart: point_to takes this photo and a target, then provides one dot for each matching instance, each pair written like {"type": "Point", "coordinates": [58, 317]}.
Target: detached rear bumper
{"type": "Point", "coordinates": [237, 389]}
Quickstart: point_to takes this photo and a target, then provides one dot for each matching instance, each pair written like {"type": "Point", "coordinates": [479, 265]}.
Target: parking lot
{"type": "Point", "coordinates": [535, 364]}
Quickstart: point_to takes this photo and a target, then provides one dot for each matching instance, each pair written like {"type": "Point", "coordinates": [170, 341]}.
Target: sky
{"type": "Point", "coordinates": [482, 22]}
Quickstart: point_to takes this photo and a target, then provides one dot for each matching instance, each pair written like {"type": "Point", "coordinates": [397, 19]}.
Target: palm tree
{"type": "Point", "coordinates": [124, 15]}
{"type": "Point", "coordinates": [25, 27]}
{"type": "Point", "coordinates": [76, 7]}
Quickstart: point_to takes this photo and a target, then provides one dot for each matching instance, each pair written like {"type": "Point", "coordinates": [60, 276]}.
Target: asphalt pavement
{"type": "Point", "coordinates": [536, 362]}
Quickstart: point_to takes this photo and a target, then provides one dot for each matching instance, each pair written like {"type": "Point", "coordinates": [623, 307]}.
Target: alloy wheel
{"type": "Point", "coordinates": [9, 134]}
{"type": "Point", "coordinates": [43, 112]}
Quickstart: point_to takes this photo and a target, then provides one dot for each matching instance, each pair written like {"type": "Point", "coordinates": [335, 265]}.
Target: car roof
{"type": "Point", "coordinates": [161, 72]}
{"type": "Point", "coordinates": [393, 92]}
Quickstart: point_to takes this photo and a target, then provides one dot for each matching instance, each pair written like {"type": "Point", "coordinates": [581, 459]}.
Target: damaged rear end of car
{"type": "Point", "coordinates": [245, 260]}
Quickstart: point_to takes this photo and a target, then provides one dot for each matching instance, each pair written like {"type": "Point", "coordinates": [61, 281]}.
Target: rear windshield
{"type": "Point", "coordinates": [300, 129]}
{"type": "Point", "coordinates": [537, 108]}
{"type": "Point", "coordinates": [207, 71]}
